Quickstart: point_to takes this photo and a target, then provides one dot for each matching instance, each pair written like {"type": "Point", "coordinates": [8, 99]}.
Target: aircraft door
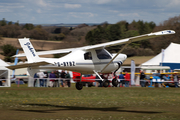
{"type": "Point", "coordinates": [103, 57]}
{"type": "Point", "coordinates": [96, 61]}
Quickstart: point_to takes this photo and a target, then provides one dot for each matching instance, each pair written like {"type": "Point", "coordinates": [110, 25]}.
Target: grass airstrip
{"type": "Point", "coordinates": [133, 103]}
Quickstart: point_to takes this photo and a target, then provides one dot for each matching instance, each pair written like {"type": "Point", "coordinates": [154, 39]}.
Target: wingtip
{"type": "Point", "coordinates": [164, 32]}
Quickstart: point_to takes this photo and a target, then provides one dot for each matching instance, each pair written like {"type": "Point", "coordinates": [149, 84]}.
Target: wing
{"type": "Point", "coordinates": [132, 39]}
{"type": "Point", "coordinates": [12, 67]}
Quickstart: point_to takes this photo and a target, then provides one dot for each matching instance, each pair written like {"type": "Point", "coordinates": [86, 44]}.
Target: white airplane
{"type": "Point", "coordinates": [85, 60]}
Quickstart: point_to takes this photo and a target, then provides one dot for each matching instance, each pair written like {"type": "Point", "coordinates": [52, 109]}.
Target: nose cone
{"type": "Point", "coordinates": [120, 57]}
{"type": "Point", "coordinates": [124, 57]}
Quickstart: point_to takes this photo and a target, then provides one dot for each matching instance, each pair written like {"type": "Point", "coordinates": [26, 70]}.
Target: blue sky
{"type": "Point", "coordinates": [88, 11]}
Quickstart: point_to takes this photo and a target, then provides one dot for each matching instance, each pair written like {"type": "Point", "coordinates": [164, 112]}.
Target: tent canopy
{"type": "Point", "coordinates": [4, 74]}
{"type": "Point", "coordinates": [156, 68]}
{"type": "Point", "coordinates": [171, 57]}
{"type": "Point", "coordinates": [3, 64]}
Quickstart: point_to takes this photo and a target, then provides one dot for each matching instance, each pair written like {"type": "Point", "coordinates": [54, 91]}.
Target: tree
{"type": "Point", "coordinates": [3, 22]}
{"type": "Point", "coordinates": [11, 31]}
{"type": "Point", "coordinates": [17, 23]}
{"type": "Point", "coordinates": [61, 36]}
{"type": "Point", "coordinates": [8, 51]}
{"type": "Point", "coordinates": [28, 26]}
{"type": "Point", "coordinates": [39, 33]}
{"type": "Point", "coordinates": [10, 23]}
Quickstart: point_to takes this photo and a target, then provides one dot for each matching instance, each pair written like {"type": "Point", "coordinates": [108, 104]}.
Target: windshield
{"type": "Point", "coordinates": [102, 54]}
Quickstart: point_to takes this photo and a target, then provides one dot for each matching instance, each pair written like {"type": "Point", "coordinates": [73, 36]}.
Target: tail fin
{"type": "Point", "coordinates": [29, 50]}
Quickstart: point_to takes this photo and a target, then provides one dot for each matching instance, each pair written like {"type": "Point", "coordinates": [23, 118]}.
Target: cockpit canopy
{"type": "Point", "coordinates": [101, 54]}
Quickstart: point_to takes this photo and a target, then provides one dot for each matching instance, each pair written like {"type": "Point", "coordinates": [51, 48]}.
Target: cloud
{"type": "Point", "coordinates": [4, 10]}
{"type": "Point", "coordinates": [88, 10]}
{"type": "Point", "coordinates": [41, 3]}
{"type": "Point", "coordinates": [129, 14]}
{"type": "Point", "coordinates": [113, 11]}
{"type": "Point", "coordinates": [174, 3]}
{"type": "Point", "coordinates": [89, 14]}
{"type": "Point", "coordinates": [39, 11]}
{"type": "Point", "coordinates": [33, 18]}
{"type": "Point", "coordinates": [82, 15]}
{"type": "Point", "coordinates": [11, 5]}
{"type": "Point", "coordinates": [72, 6]}
{"type": "Point", "coordinates": [103, 1]}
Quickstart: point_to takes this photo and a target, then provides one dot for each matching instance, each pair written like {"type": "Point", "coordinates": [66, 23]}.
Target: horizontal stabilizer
{"type": "Point", "coordinates": [27, 65]}
{"type": "Point", "coordinates": [47, 52]}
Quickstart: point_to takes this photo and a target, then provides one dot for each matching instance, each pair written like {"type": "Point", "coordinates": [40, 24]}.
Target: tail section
{"type": "Point", "coordinates": [29, 50]}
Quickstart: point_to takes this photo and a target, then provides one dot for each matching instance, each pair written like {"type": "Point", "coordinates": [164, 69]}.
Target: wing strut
{"type": "Point", "coordinates": [98, 75]}
{"type": "Point", "coordinates": [115, 56]}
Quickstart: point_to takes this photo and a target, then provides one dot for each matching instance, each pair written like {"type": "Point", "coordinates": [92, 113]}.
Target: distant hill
{"type": "Point", "coordinates": [69, 25]}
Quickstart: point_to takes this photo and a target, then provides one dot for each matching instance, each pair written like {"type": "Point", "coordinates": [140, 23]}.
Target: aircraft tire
{"type": "Point", "coordinates": [105, 83]}
{"type": "Point", "coordinates": [79, 85]}
{"type": "Point", "coordinates": [115, 82]}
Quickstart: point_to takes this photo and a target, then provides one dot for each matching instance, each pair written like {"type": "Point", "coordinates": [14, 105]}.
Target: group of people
{"type": "Point", "coordinates": [53, 79]}
{"type": "Point", "coordinates": [62, 79]}
{"type": "Point", "coordinates": [124, 79]}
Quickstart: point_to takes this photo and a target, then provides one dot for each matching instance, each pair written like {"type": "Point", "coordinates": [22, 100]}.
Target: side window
{"type": "Point", "coordinates": [102, 54]}
{"type": "Point", "coordinates": [88, 56]}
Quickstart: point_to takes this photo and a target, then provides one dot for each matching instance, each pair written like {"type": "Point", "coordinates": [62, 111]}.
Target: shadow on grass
{"type": "Point", "coordinates": [64, 108]}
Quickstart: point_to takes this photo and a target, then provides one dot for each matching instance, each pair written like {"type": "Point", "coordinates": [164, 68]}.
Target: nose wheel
{"type": "Point", "coordinates": [79, 85]}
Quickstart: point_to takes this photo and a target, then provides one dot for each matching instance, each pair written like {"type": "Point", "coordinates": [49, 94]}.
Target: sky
{"type": "Point", "coordinates": [88, 11]}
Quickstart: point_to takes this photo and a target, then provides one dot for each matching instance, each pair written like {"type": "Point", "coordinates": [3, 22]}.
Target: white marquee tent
{"type": "Point", "coordinates": [171, 58]}
{"type": "Point", "coordinates": [4, 75]}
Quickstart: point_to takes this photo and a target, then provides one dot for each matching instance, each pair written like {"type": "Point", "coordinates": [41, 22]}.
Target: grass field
{"type": "Point", "coordinates": [135, 103]}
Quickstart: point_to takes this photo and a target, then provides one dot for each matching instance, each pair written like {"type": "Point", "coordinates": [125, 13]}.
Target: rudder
{"type": "Point", "coordinates": [29, 50]}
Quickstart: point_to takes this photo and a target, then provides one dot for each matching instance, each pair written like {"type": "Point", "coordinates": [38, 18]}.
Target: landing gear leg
{"type": "Point", "coordinates": [114, 80]}
{"type": "Point", "coordinates": [105, 81]}
{"type": "Point", "coordinates": [79, 85]}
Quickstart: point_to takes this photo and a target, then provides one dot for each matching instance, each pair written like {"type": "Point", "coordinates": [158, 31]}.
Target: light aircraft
{"type": "Point", "coordinates": [85, 60]}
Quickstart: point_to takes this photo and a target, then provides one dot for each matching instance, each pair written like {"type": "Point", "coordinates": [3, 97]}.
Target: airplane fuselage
{"type": "Point", "coordinates": [86, 61]}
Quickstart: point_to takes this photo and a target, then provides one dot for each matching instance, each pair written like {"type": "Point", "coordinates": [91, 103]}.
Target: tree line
{"type": "Point", "coordinates": [16, 30]}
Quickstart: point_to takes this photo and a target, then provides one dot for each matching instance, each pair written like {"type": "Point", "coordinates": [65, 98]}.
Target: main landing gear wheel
{"type": "Point", "coordinates": [106, 83]}
{"type": "Point", "coordinates": [79, 85]}
{"type": "Point", "coordinates": [115, 82]}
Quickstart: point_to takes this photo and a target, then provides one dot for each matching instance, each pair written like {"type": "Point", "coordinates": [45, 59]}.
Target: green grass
{"type": "Point", "coordinates": [23, 103]}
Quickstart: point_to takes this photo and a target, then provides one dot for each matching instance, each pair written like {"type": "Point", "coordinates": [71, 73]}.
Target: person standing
{"type": "Point", "coordinates": [68, 79]}
{"type": "Point", "coordinates": [46, 77]}
{"type": "Point", "coordinates": [142, 77]}
{"type": "Point", "coordinates": [122, 80]}
{"type": "Point", "coordinates": [176, 80]}
{"type": "Point", "coordinates": [35, 79]}
{"type": "Point", "coordinates": [41, 78]}
{"type": "Point", "coordinates": [56, 83]}
{"type": "Point", "coordinates": [127, 79]}
{"type": "Point", "coordinates": [52, 77]}
{"type": "Point", "coordinates": [63, 74]}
